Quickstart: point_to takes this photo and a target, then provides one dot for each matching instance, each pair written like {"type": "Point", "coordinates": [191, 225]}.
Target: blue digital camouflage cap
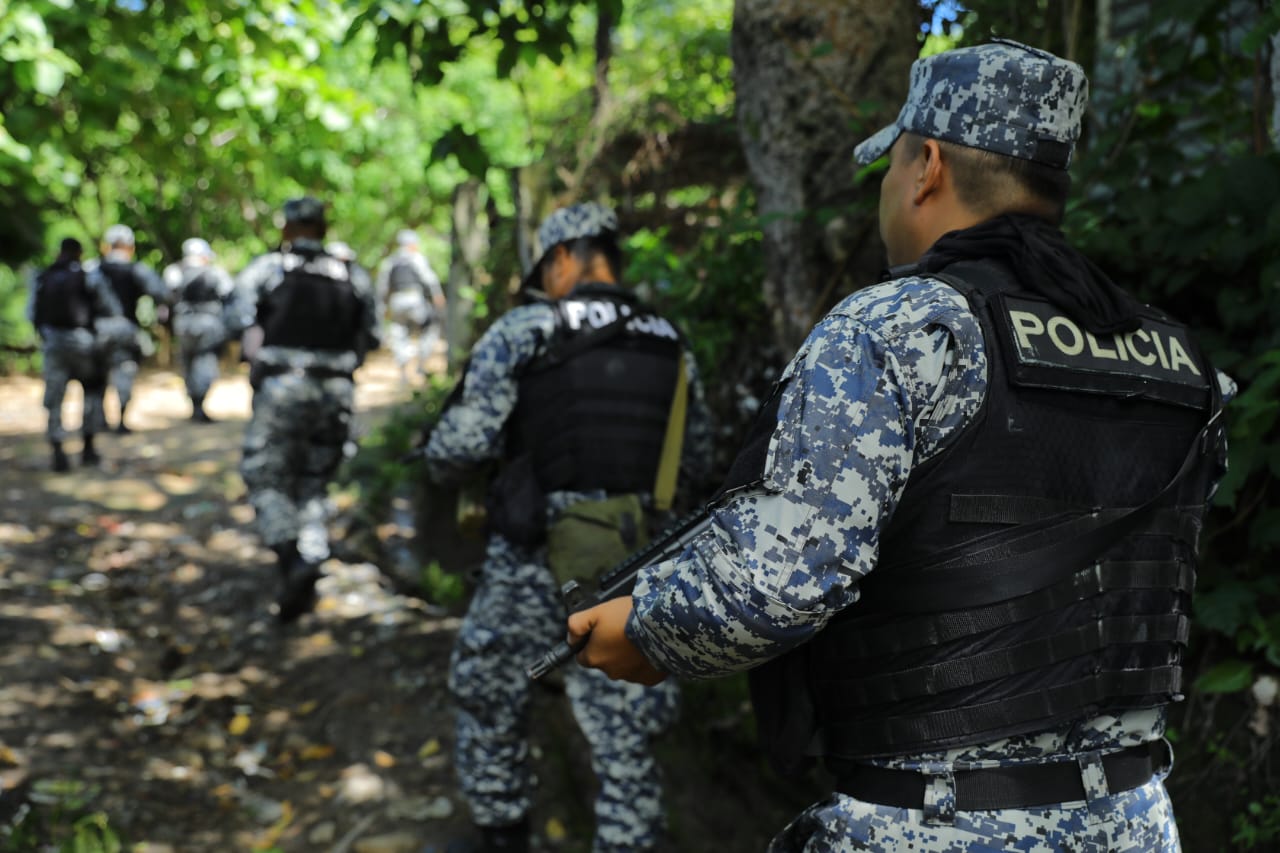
{"type": "Point", "coordinates": [1003, 97]}
{"type": "Point", "coordinates": [588, 219]}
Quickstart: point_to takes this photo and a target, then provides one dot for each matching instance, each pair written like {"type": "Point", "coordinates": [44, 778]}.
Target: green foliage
{"type": "Point", "coordinates": [57, 820]}
{"type": "Point", "coordinates": [1259, 826]}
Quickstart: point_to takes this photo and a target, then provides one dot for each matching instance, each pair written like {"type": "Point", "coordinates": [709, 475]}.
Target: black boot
{"type": "Point", "coordinates": [89, 456]}
{"type": "Point", "coordinates": [121, 427]}
{"type": "Point", "coordinates": [297, 583]}
{"type": "Point", "coordinates": [60, 461]}
{"type": "Point", "coordinates": [494, 839]}
{"type": "Point", "coordinates": [198, 414]}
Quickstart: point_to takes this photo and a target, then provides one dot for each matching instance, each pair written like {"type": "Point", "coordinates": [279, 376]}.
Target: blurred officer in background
{"type": "Point", "coordinates": [124, 340]}
{"type": "Point", "coordinates": [314, 319]}
{"type": "Point", "coordinates": [410, 294]}
{"type": "Point", "coordinates": [65, 303]}
{"type": "Point", "coordinates": [203, 318]}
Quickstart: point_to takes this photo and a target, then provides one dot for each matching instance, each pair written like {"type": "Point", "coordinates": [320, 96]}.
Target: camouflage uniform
{"type": "Point", "coordinates": [73, 354]}
{"type": "Point", "coordinates": [201, 326]}
{"type": "Point", "coordinates": [881, 385]}
{"type": "Point", "coordinates": [413, 324]}
{"type": "Point", "coordinates": [301, 421]}
{"type": "Point", "coordinates": [122, 338]}
{"type": "Point", "coordinates": [516, 611]}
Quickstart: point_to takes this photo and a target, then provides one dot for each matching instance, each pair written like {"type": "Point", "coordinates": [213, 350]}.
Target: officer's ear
{"type": "Point", "coordinates": [928, 169]}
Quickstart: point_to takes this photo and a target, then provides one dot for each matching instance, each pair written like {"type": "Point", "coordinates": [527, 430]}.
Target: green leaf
{"type": "Point", "coordinates": [1230, 676]}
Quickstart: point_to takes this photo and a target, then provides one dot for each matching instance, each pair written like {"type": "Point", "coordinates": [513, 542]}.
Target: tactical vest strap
{"type": "Point", "coordinates": [911, 732]}
{"type": "Point", "coordinates": [934, 629]}
{"type": "Point", "coordinates": [962, 672]}
{"type": "Point", "coordinates": [1035, 555]}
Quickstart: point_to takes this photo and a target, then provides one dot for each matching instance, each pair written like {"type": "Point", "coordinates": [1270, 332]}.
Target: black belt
{"type": "Point", "coordinates": [1018, 787]}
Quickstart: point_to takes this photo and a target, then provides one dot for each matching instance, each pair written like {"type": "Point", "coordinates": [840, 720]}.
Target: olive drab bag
{"type": "Point", "coordinates": [591, 537]}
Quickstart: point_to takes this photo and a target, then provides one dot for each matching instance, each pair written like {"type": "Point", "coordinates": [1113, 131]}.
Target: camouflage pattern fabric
{"type": "Point", "coordinates": [200, 327]}
{"type": "Point", "coordinates": [881, 384]}
{"type": "Point", "coordinates": [292, 448]}
{"type": "Point", "coordinates": [516, 611]}
{"type": "Point", "coordinates": [412, 329]}
{"type": "Point", "coordinates": [300, 423]}
{"type": "Point", "coordinates": [71, 354]}
{"type": "Point", "coordinates": [1003, 97]}
{"type": "Point", "coordinates": [75, 354]}
{"type": "Point", "coordinates": [125, 348]}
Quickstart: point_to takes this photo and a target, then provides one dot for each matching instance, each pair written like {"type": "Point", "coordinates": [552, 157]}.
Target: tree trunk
{"type": "Point", "coordinates": [469, 245]}
{"type": "Point", "coordinates": [813, 78]}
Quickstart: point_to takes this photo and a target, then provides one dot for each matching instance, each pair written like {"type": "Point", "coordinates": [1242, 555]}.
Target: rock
{"type": "Point", "coordinates": [323, 833]}
{"type": "Point", "coordinates": [397, 842]}
{"type": "Point", "coordinates": [360, 785]}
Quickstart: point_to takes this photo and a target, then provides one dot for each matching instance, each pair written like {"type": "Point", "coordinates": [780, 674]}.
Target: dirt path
{"type": "Point", "coordinates": [143, 680]}
{"type": "Point", "coordinates": [142, 677]}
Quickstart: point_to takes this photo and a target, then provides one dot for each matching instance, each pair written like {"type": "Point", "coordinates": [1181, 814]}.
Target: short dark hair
{"type": "Point", "coordinates": [70, 247]}
{"type": "Point", "coordinates": [992, 184]}
{"type": "Point", "coordinates": [604, 244]}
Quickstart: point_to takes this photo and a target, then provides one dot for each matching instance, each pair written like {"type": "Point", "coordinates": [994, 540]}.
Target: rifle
{"type": "Point", "coordinates": [617, 582]}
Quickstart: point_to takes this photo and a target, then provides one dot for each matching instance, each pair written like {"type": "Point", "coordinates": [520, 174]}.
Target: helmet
{"type": "Point", "coordinates": [305, 209]}
{"type": "Point", "coordinates": [196, 248]}
{"type": "Point", "coordinates": [407, 237]}
{"type": "Point", "coordinates": [118, 235]}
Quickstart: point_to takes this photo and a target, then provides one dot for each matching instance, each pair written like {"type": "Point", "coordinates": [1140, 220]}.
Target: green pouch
{"type": "Point", "coordinates": [593, 536]}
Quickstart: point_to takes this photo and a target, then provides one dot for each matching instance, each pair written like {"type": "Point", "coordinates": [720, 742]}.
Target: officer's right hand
{"type": "Point", "coordinates": [608, 648]}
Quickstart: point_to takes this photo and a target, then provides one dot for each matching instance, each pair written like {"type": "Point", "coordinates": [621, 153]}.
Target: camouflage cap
{"type": "Point", "coordinates": [305, 209]}
{"type": "Point", "coordinates": [118, 235]}
{"type": "Point", "coordinates": [588, 219]}
{"type": "Point", "coordinates": [1004, 97]}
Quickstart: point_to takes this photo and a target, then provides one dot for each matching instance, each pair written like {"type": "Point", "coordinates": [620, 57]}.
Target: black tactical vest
{"type": "Point", "coordinates": [593, 410]}
{"type": "Point", "coordinates": [62, 298]}
{"type": "Point", "coordinates": [315, 306]}
{"type": "Point", "coordinates": [198, 286]}
{"type": "Point", "coordinates": [1040, 568]}
{"type": "Point", "coordinates": [125, 284]}
{"type": "Point", "coordinates": [403, 276]}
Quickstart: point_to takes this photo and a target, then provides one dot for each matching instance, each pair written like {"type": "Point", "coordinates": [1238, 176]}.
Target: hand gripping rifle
{"type": "Point", "coordinates": [618, 582]}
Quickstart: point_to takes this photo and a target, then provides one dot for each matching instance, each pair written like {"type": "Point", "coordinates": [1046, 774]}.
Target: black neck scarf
{"type": "Point", "coordinates": [1042, 260]}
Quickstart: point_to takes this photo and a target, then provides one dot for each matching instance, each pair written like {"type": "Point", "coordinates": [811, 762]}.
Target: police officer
{"type": "Point", "coordinates": [124, 341]}
{"type": "Point", "coordinates": [203, 316]}
{"type": "Point", "coordinates": [573, 394]}
{"type": "Point", "coordinates": [958, 548]}
{"type": "Point", "coordinates": [314, 319]}
{"type": "Point", "coordinates": [409, 291]}
{"type": "Point", "coordinates": [65, 302]}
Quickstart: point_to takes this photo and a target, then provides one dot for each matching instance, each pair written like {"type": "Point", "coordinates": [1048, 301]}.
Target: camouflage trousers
{"type": "Point", "coordinates": [70, 354]}
{"type": "Point", "coordinates": [292, 448]}
{"type": "Point", "coordinates": [410, 344]}
{"type": "Point", "coordinates": [514, 616]}
{"type": "Point", "coordinates": [1135, 821]}
{"type": "Point", "coordinates": [199, 336]}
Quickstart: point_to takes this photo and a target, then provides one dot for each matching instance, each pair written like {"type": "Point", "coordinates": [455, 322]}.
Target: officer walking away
{"type": "Point", "coordinates": [957, 552]}
{"type": "Point", "coordinates": [574, 395]}
{"type": "Point", "coordinates": [409, 292]}
{"type": "Point", "coordinates": [124, 340]}
{"type": "Point", "coordinates": [65, 303]}
{"type": "Point", "coordinates": [203, 316]}
{"type": "Point", "coordinates": [315, 319]}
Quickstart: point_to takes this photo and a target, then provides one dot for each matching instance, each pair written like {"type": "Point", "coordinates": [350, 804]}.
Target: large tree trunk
{"type": "Point", "coordinates": [469, 245]}
{"type": "Point", "coordinates": [813, 78]}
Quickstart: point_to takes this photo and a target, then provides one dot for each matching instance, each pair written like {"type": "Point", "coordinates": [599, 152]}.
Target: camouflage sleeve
{"type": "Point", "coordinates": [152, 284]}
{"type": "Point", "coordinates": [248, 288]}
{"type": "Point", "coordinates": [430, 279]}
{"type": "Point", "coordinates": [880, 385]}
{"type": "Point", "coordinates": [469, 432]}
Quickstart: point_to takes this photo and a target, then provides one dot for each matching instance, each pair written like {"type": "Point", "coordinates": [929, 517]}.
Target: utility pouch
{"type": "Point", "coordinates": [786, 720]}
{"type": "Point", "coordinates": [515, 505]}
{"type": "Point", "coordinates": [593, 536]}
